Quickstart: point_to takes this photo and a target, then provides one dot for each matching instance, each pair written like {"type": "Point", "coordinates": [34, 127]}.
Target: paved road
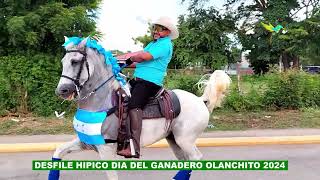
{"type": "Point", "coordinates": [304, 163]}
{"type": "Point", "coordinates": [248, 133]}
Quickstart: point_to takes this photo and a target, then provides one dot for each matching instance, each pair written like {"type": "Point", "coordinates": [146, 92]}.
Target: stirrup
{"type": "Point", "coordinates": [127, 153]}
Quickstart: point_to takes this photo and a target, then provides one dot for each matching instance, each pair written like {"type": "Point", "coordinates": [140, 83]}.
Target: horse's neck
{"type": "Point", "coordinates": [101, 100]}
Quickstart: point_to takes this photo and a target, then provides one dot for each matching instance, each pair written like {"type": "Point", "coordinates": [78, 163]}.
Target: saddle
{"type": "Point", "coordinates": [165, 104]}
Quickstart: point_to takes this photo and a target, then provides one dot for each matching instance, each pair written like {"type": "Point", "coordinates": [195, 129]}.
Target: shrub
{"type": "Point", "coordinates": [238, 101]}
{"type": "Point", "coordinates": [28, 84]}
{"type": "Point", "coordinates": [184, 82]}
{"type": "Point", "coordinates": [292, 90]}
{"type": "Point", "coordinates": [311, 90]}
{"type": "Point", "coordinates": [289, 90]}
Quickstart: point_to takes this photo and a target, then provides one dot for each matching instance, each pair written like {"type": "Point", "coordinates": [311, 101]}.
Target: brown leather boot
{"type": "Point", "coordinates": [136, 126]}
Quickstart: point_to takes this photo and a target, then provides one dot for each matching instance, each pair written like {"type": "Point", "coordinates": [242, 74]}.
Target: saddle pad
{"type": "Point", "coordinates": [88, 126]}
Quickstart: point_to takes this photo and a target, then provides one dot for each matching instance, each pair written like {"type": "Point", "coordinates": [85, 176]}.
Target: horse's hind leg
{"type": "Point", "coordinates": [188, 146]}
{"type": "Point", "coordinates": [178, 152]}
{"type": "Point", "coordinates": [60, 152]}
{"type": "Point", "coordinates": [108, 152]}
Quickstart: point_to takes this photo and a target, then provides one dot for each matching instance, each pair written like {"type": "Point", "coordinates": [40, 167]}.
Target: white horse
{"type": "Point", "coordinates": [84, 69]}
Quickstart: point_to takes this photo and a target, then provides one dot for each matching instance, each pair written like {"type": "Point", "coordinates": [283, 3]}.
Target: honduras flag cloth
{"type": "Point", "coordinates": [88, 126]}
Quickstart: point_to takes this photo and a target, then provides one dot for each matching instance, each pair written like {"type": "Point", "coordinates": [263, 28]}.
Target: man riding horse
{"type": "Point", "coordinates": [151, 66]}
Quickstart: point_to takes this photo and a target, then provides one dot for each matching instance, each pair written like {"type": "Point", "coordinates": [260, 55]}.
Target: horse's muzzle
{"type": "Point", "coordinates": [65, 90]}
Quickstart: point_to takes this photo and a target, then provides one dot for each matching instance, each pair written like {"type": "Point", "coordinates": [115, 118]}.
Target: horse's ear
{"type": "Point", "coordinates": [65, 38]}
{"type": "Point", "coordinates": [83, 43]}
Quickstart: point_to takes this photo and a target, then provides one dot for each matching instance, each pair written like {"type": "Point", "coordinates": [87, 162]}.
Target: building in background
{"type": "Point", "coordinates": [243, 67]}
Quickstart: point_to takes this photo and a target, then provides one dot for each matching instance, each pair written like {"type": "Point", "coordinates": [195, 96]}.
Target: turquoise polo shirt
{"type": "Point", "coordinates": [155, 69]}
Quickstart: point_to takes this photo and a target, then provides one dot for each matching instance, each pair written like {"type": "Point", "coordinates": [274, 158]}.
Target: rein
{"type": "Point", "coordinates": [102, 84]}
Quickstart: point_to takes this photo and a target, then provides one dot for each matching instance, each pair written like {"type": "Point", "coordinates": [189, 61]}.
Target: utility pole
{"type": "Point", "coordinates": [280, 63]}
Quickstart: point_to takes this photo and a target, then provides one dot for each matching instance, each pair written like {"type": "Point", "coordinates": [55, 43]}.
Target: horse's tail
{"type": "Point", "coordinates": [214, 88]}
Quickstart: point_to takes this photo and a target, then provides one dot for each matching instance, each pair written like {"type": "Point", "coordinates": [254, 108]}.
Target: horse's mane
{"type": "Point", "coordinates": [93, 44]}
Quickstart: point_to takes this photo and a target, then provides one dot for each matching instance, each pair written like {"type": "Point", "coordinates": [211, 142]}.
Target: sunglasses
{"type": "Point", "coordinates": [159, 28]}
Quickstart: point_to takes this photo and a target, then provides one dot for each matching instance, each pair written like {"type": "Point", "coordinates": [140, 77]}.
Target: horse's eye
{"type": "Point", "coordinates": [74, 62]}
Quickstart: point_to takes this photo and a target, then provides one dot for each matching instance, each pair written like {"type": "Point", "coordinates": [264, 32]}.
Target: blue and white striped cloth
{"type": "Point", "coordinates": [88, 126]}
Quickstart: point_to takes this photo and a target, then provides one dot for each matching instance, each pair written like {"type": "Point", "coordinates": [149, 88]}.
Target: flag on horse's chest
{"type": "Point", "coordinates": [88, 126]}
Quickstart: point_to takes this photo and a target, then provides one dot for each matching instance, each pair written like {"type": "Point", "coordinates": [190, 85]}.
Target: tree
{"type": "Point", "coordinates": [266, 48]}
{"type": "Point", "coordinates": [31, 35]}
{"type": "Point", "coordinates": [204, 38]}
{"type": "Point", "coordinates": [39, 26]}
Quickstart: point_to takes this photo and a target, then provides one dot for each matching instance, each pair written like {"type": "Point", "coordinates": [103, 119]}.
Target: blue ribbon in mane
{"type": "Point", "coordinates": [109, 59]}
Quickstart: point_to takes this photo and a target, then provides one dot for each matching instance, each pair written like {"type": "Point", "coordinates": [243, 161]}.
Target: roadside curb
{"type": "Point", "coordinates": [201, 142]}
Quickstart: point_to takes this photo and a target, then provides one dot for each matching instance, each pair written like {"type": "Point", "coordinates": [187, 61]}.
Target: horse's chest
{"type": "Point", "coordinates": [88, 126]}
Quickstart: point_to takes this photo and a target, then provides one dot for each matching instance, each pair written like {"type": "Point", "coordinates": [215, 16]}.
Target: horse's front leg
{"type": "Point", "coordinates": [60, 152]}
{"type": "Point", "coordinates": [108, 152]}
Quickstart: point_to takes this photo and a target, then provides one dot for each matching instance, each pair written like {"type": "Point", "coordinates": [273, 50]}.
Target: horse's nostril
{"type": "Point", "coordinates": [64, 91]}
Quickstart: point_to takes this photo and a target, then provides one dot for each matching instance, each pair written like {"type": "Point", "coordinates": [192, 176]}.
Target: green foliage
{"type": "Point", "coordinates": [204, 39]}
{"type": "Point", "coordinates": [188, 83]}
{"type": "Point", "coordinates": [298, 39]}
{"type": "Point", "coordinates": [28, 84]}
{"type": "Point", "coordinates": [293, 90]}
{"type": "Point", "coordinates": [145, 40]}
{"type": "Point", "coordinates": [183, 81]}
{"type": "Point", "coordinates": [31, 35]}
{"type": "Point", "coordinates": [290, 90]}
{"type": "Point", "coordinates": [285, 92]}
{"type": "Point", "coordinates": [251, 101]}
{"type": "Point", "coordinates": [26, 26]}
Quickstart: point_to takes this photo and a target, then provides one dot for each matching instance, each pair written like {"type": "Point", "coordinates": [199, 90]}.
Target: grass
{"type": "Point", "coordinates": [230, 120]}
{"type": "Point", "coordinates": [311, 118]}
{"type": "Point", "coordinates": [30, 125]}
{"type": "Point", "coordinates": [221, 119]}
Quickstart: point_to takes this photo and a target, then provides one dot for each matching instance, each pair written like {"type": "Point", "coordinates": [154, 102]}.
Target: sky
{"type": "Point", "coordinates": [121, 20]}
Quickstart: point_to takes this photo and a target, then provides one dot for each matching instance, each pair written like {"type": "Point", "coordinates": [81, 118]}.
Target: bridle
{"type": "Point", "coordinates": [77, 80]}
{"type": "Point", "coordinates": [83, 60]}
